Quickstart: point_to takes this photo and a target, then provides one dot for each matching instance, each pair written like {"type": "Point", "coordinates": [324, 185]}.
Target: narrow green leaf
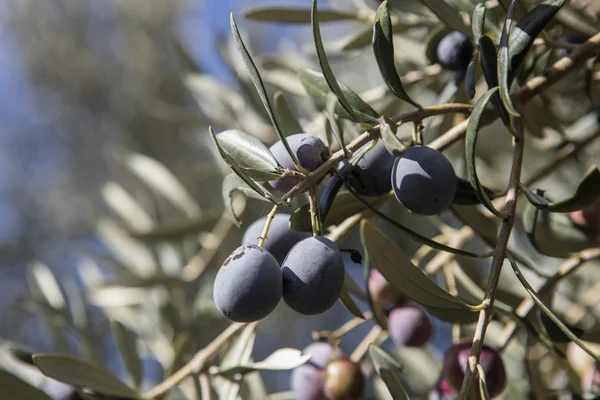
{"type": "Point", "coordinates": [260, 87]}
{"type": "Point", "coordinates": [549, 313]}
{"type": "Point", "coordinates": [239, 353]}
{"type": "Point", "coordinates": [317, 88]}
{"type": "Point", "coordinates": [82, 374]}
{"type": "Point", "coordinates": [349, 303]}
{"type": "Point", "coordinates": [470, 145]}
{"type": "Point", "coordinates": [530, 219]}
{"type": "Point", "coordinates": [413, 235]}
{"type": "Point", "coordinates": [127, 344]}
{"type": "Point", "coordinates": [470, 78]}
{"type": "Point", "coordinates": [478, 20]}
{"type": "Point", "coordinates": [383, 47]}
{"type": "Point", "coordinates": [489, 64]}
{"type": "Point", "coordinates": [527, 29]}
{"type": "Point", "coordinates": [289, 124]}
{"type": "Point", "coordinates": [292, 15]}
{"type": "Point", "coordinates": [232, 184]}
{"type": "Point", "coordinates": [326, 68]}
{"type": "Point", "coordinates": [557, 236]}
{"type": "Point", "coordinates": [586, 193]}
{"type": "Point", "coordinates": [176, 230]}
{"type": "Point", "coordinates": [336, 127]}
{"type": "Point", "coordinates": [465, 194]}
{"type": "Point", "coordinates": [448, 15]}
{"type": "Point", "coordinates": [358, 40]}
{"type": "Point", "coordinates": [389, 371]}
{"type": "Point", "coordinates": [400, 272]}
{"type": "Point", "coordinates": [387, 130]}
{"type": "Point", "coordinates": [503, 62]}
{"type": "Point", "coordinates": [280, 360]}
{"type": "Point", "coordinates": [15, 388]}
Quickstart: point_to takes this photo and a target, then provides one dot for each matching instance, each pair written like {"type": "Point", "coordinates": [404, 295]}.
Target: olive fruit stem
{"type": "Point", "coordinates": [374, 335]}
{"type": "Point", "coordinates": [418, 132]}
{"type": "Point", "coordinates": [314, 212]}
{"type": "Point", "coordinates": [265, 232]}
{"type": "Point", "coordinates": [196, 364]}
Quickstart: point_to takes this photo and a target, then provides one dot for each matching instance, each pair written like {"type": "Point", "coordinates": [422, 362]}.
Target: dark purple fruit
{"type": "Point", "coordinates": [423, 180]}
{"type": "Point", "coordinates": [409, 326]}
{"type": "Point", "coordinates": [343, 380]}
{"type": "Point", "coordinates": [310, 152]}
{"type": "Point", "coordinates": [455, 365]}
{"type": "Point", "coordinates": [382, 292]}
{"type": "Point", "coordinates": [588, 218]}
{"type": "Point", "coordinates": [313, 276]}
{"type": "Point", "coordinates": [280, 239]}
{"type": "Point", "coordinates": [554, 332]}
{"type": "Point", "coordinates": [307, 380]}
{"type": "Point", "coordinates": [454, 51]}
{"type": "Point", "coordinates": [370, 176]}
{"type": "Point", "coordinates": [248, 286]}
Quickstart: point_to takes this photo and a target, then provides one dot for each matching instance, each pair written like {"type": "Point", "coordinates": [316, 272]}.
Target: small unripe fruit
{"type": "Point", "coordinates": [313, 276]}
{"type": "Point", "coordinates": [382, 292]}
{"type": "Point", "coordinates": [248, 286]}
{"type": "Point", "coordinates": [409, 326]}
{"type": "Point", "coordinates": [280, 239]}
{"type": "Point", "coordinates": [588, 218]}
{"type": "Point", "coordinates": [310, 152]}
{"type": "Point", "coordinates": [555, 333]}
{"type": "Point", "coordinates": [456, 361]}
{"type": "Point", "coordinates": [590, 380]}
{"type": "Point", "coordinates": [370, 176]}
{"type": "Point", "coordinates": [307, 379]}
{"type": "Point", "coordinates": [343, 380]}
{"type": "Point", "coordinates": [423, 180]}
{"type": "Point", "coordinates": [454, 51]}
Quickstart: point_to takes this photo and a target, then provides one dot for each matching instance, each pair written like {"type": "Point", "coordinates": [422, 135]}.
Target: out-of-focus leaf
{"type": "Point", "coordinates": [489, 64]}
{"type": "Point", "coordinates": [317, 88]}
{"type": "Point", "coordinates": [557, 236]}
{"type": "Point", "coordinates": [359, 40]}
{"type": "Point", "coordinates": [127, 343]}
{"type": "Point", "coordinates": [328, 75]}
{"type": "Point", "coordinates": [250, 154]}
{"type": "Point", "coordinates": [421, 368]}
{"type": "Point", "coordinates": [349, 302]}
{"type": "Point", "coordinates": [470, 78]}
{"type": "Point", "coordinates": [526, 30]}
{"type": "Point", "coordinates": [292, 15]}
{"type": "Point", "coordinates": [82, 374]}
{"type": "Point", "coordinates": [177, 229]}
{"type": "Point", "coordinates": [530, 218]}
{"type": "Point", "coordinates": [389, 371]}
{"type": "Point", "coordinates": [48, 285]}
{"type": "Point", "coordinates": [586, 193]}
{"type": "Point", "coordinates": [260, 87]}
{"type": "Point", "coordinates": [433, 40]}
{"type": "Point", "coordinates": [549, 313]}
{"type": "Point", "coordinates": [448, 15]}
{"type": "Point", "coordinates": [465, 194]}
{"type": "Point", "coordinates": [503, 62]}
{"type": "Point", "coordinates": [470, 145]}
{"type": "Point", "coordinates": [393, 145]}
{"type": "Point", "coordinates": [238, 354]}
{"type": "Point", "coordinates": [383, 47]}
{"type": "Point", "coordinates": [399, 271]}
{"type": "Point", "coordinates": [288, 122]}
{"type": "Point", "coordinates": [280, 360]}
{"type": "Point", "coordinates": [126, 206]}
{"type": "Point", "coordinates": [232, 184]}
{"type": "Point", "coordinates": [162, 181]}
{"type": "Point", "coordinates": [336, 127]}
{"type": "Point", "coordinates": [15, 388]}
{"type": "Point", "coordinates": [478, 20]}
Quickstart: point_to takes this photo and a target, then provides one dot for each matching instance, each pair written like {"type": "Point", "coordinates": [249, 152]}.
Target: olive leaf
{"type": "Point", "coordinates": [465, 194]}
{"type": "Point", "coordinates": [15, 388]}
{"type": "Point", "coordinates": [503, 62]}
{"type": "Point", "coordinates": [289, 124]}
{"type": "Point", "coordinates": [280, 360]}
{"type": "Point", "coordinates": [328, 75]}
{"type": "Point", "coordinates": [527, 29]}
{"type": "Point", "coordinates": [388, 370]}
{"type": "Point", "coordinates": [530, 219]}
{"type": "Point", "coordinates": [387, 130]}
{"type": "Point", "coordinates": [401, 273]}
{"type": "Point", "coordinates": [548, 312]}
{"type": "Point", "coordinates": [336, 127]}
{"type": "Point", "coordinates": [250, 154]}
{"type": "Point", "coordinates": [557, 236]}
{"type": "Point", "coordinates": [447, 14]}
{"type": "Point", "coordinates": [470, 77]}
{"type": "Point", "coordinates": [586, 193]}
{"type": "Point", "coordinates": [232, 184]}
{"type": "Point", "coordinates": [317, 88]}
{"type": "Point", "coordinates": [478, 20]}
{"type": "Point", "coordinates": [239, 353]}
{"type": "Point", "coordinates": [349, 303]}
{"type": "Point", "coordinates": [175, 230]}
{"type": "Point", "coordinates": [260, 87]}
{"type": "Point", "coordinates": [471, 143]}
{"type": "Point", "coordinates": [489, 64]}
{"type": "Point", "coordinates": [293, 15]}
{"type": "Point", "coordinates": [361, 39]}
{"type": "Point", "coordinates": [383, 47]}
{"type": "Point", "coordinates": [82, 374]}
{"type": "Point", "coordinates": [127, 344]}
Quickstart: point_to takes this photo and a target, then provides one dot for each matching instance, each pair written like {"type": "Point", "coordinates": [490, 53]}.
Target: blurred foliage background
{"type": "Point", "coordinates": [103, 132]}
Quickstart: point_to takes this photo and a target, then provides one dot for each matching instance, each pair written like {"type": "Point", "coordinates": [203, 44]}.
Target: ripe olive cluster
{"type": "Point", "coordinates": [308, 271]}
